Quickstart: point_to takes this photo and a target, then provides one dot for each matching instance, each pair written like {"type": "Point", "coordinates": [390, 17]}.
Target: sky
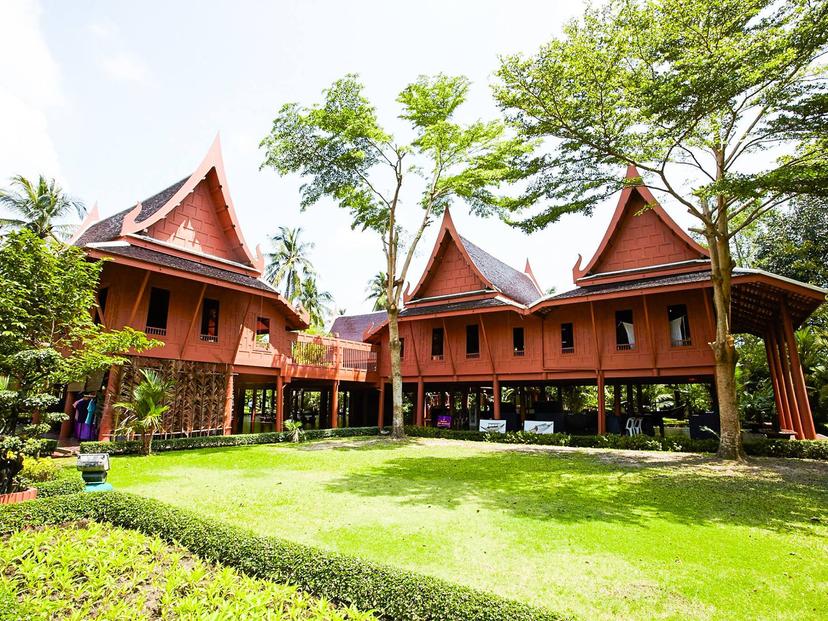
{"type": "Point", "coordinates": [118, 100]}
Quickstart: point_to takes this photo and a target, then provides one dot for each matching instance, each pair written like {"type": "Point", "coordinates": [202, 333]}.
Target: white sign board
{"type": "Point", "coordinates": [492, 426]}
{"type": "Point", "coordinates": [539, 426]}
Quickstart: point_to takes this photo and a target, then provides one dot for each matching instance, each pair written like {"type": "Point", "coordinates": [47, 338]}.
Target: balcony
{"type": "Point", "coordinates": [333, 354]}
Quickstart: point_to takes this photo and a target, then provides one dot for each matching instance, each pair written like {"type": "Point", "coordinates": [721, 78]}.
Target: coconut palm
{"type": "Point", "coordinates": [145, 413]}
{"type": "Point", "coordinates": [315, 302]}
{"type": "Point", "coordinates": [38, 206]}
{"type": "Point", "coordinates": [378, 291]}
{"type": "Point", "coordinates": [289, 262]}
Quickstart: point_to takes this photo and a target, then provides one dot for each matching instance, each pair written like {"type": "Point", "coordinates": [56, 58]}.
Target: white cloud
{"type": "Point", "coordinates": [104, 29]}
{"type": "Point", "coordinates": [125, 67]}
{"type": "Point", "coordinates": [27, 65]}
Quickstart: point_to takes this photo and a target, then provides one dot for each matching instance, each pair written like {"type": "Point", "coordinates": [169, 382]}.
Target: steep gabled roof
{"type": "Point", "coordinates": [494, 274]}
{"type": "Point", "coordinates": [659, 242]}
{"type": "Point", "coordinates": [144, 214]}
{"type": "Point", "coordinates": [354, 327]}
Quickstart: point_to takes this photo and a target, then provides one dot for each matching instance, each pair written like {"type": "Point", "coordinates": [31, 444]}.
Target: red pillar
{"type": "Point", "coordinates": [808, 430]}
{"type": "Point", "coordinates": [787, 382]}
{"type": "Point", "coordinates": [66, 426]}
{"type": "Point", "coordinates": [228, 404]}
{"type": "Point", "coordinates": [335, 405]}
{"type": "Point", "coordinates": [419, 418]}
{"type": "Point", "coordinates": [780, 398]}
{"type": "Point", "coordinates": [110, 397]}
{"type": "Point", "coordinates": [496, 397]}
{"type": "Point", "coordinates": [602, 406]}
{"type": "Point", "coordinates": [280, 403]}
{"type": "Point", "coordinates": [381, 409]}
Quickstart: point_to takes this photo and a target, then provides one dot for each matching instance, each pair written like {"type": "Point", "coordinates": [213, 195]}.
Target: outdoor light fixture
{"type": "Point", "coordinates": [93, 468]}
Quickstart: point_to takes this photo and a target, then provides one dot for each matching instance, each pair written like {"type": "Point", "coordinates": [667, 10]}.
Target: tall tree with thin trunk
{"type": "Point", "coordinates": [39, 207]}
{"type": "Point", "coordinates": [289, 264]}
{"type": "Point", "coordinates": [722, 106]}
{"type": "Point", "coordinates": [344, 154]}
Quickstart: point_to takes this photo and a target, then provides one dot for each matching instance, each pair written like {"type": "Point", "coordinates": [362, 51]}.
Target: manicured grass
{"type": "Point", "coordinates": [96, 571]}
{"type": "Point", "coordinates": [596, 535]}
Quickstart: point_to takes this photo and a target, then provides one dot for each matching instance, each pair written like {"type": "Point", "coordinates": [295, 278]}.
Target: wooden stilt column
{"type": "Point", "coordinates": [280, 403]}
{"type": "Point", "coordinates": [66, 426]}
{"type": "Point", "coordinates": [228, 402]}
{"type": "Point", "coordinates": [496, 397]}
{"type": "Point", "coordinates": [110, 397]}
{"type": "Point", "coordinates": [335, 405]}
{"type": "Point", "coordinates": [381, 409]}
{"type": "Point", "coordinates": [419, 415]}
{"type": "Point", "coordinates": [779, 395]}
{"type": "Point", "coordinates": [787, 382]}
{"type": "Point", "coordinates": [805, 415]}
{"type": "Point", "coordinates": [602, 406]}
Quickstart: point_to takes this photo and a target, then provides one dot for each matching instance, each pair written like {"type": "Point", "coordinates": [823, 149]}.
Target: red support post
{"type": "Point", "coordinates": [419, 418]}
{"type": "Point", "coordinates": [228, 403]}
{"type": "Point", "coordinates": [110, 397]}
{"type": "Point", "coordinates": [280, 403]}
{"type": "Point", "coordinates": [787, 381]}
{"type": "Point", "coordinates": [496, 397]}
{"type": "Point", "coordinates": [602, 406]}
{"type": "Point", "coordinates": [808, 429]}
{"type": "Point", "coordinates": [335, 405]}
{"type": "Point", "coordinates": [381, 409]}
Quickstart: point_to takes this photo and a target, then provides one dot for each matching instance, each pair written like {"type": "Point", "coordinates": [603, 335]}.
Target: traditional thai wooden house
{"type": "Point", "coordinates": [473, 329]}
{"type": "Point", "coordinates": [641, 313]}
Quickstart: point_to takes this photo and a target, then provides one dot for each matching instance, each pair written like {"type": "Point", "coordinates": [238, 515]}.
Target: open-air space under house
{"type": "Point", "coordinates": [481, 341]}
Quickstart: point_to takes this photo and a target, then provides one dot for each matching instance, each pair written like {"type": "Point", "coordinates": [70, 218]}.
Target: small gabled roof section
{"type": "Point", "coordinates": [480, 272]}
{"type": "Point", "coordinates": [641, 235]}
{"type": "Point", "coordinates": [145, 217]}
{"type": "Point", "coordinates": [355, 327]}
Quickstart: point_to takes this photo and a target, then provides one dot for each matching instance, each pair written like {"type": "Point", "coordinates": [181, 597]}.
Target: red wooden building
{"type": "Point", "coordinates": [473, 327]}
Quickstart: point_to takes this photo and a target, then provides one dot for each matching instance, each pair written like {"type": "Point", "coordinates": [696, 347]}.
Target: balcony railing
{"type": "Point", "coordinates": [681, 342]}
{"type": "Point", "coordinates": [319, 351]}
{"type": "Point", "coordinates": [152, 331]}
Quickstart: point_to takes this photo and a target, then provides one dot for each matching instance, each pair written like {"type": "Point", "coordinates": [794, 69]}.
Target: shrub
{"type": "Point", "coordinates": [133, 447]}
{"type": "Point", "coordinates": [393, 593]}
{"type": "Point", "coordinates": [805, 449]}
{"type": "Point", "coordinates": [59, 487]}
{"type": "Point", "coordinates": [38, 470]}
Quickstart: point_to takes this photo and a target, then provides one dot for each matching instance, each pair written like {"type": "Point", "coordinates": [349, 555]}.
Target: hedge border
{"type": "Point", "coordinates": [796, 449]}
{"type": "Point", "coordinates": [393, 593]}
{"type": "Point", "coordinates": [133, 447]}
{"type": "Point", "coordinates": [59, 487]}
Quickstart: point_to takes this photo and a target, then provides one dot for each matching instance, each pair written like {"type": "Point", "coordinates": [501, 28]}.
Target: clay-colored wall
{"type": "Point", "coordinates": [451, 274]}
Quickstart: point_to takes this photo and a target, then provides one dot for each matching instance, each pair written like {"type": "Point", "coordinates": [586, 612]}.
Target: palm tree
{"type": "Point", "coordinates": [289, 262]}
{"type": "Point", "coordinates": [38, 206]}
{"type": "Point", "coordinates": [145, 413]}
{"type": "Point", "coordinates": [378, 291]}
{"type": "Point", "coordinates": [315, 302]}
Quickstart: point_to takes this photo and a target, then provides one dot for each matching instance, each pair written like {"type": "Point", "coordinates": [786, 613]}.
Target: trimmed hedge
{"type": "Point", "coordinates": [133, 447]}
{"type": "Point", "coordinates": [393, 593]}
{"type": "Point", "coordinates": [804, 449]}
{"type": "Point", "coordinates": [59, 487]}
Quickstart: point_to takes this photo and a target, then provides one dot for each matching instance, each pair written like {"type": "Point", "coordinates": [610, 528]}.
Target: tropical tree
{"type": "Point", "coordinates": [377, 291]}
{"type": "Point", "coordinates": [289, 264]}
{"type": "Point", "coordinates": [315, 302]}
{"type": "Point", "coordinates": [47, 335]}
{"type": "Point", "coordinates": [145, 412]}
{"type": "Point", "coordinates": [38, 207]}
{"type": "Point", "coordinates": [720, 104]}
{"type": "Point", "coordinates": [344, 153]}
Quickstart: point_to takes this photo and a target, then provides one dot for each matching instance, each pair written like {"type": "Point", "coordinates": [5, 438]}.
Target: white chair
{"type": "Point", "coordinates": [634, 425]}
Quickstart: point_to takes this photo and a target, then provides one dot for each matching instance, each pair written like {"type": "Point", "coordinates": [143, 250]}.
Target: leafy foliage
{"type": "Point", "coordinates": [377, 291]}
{"type": "Point", "coordinates": [391, 593]}
{"type": "Point", "coordinates": [47, 338]}
{"type": "Point", "coordinates": [289, 262]}
{"type": "Point", "coordinates": [127, 575]}
{"type": "Point", "coordinates": [145, 413]}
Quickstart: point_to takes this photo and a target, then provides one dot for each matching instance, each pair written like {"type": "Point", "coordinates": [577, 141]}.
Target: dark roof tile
{"type": "Point", "coordinates": [353, 327]}
{"type": "Point", "coordinates": [512, 283]}
{"type": "Point", "coordinates": [454, 306]}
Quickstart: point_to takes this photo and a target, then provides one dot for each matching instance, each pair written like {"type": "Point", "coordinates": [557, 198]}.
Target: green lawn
{"type": "Point", "coordinates": [596, 535]}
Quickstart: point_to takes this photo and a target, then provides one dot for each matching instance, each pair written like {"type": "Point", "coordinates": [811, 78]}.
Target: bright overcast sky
{"type": "Point", "coordinates": [118, 100]}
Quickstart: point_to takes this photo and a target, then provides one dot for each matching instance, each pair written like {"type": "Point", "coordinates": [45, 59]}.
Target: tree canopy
{"type": "Point", "coordinates": [39, 207]}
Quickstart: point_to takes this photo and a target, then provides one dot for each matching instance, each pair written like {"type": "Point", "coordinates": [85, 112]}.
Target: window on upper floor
{"type": "Point", "coordinates": [103, 294]}
{"type": "Point", "coordinates": [210, 320]}
{"type": "Point", "coordinates": [437, 344]}
{"type": "Point", "coordinates": [567, 338]}
{"type": "Point", "coordinates": [263, 331]}
{"type": "Point", "coordinates": [159, 307]}
{"type": "Point", "coordinates": [402, 349]}
{"type": "Point", "coordinates": [624, 330]}
{"type": "Point", "coordinates": [518, 342]}
{"type": "Point", "coordinates": [472, 341]}
{"type": "Point", "coordinates": [679, 325]}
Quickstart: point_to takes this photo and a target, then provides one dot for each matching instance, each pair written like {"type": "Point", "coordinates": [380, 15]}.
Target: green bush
{"type": "Point", "coordinates": [393, 593]}
{"type": "Point", "coordinates": [60, 487]}
{"type": "Point", "coordinates": [133, 447]}
{"type": "Point", "coordinates": [804, 449]}
{"type": "Point", "coordinates": [38, 470]}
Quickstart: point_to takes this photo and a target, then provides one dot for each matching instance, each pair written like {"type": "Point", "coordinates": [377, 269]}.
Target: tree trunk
{"type": "Point", "coordinates": [398, 423]}
{"type": "Point", "coordinates": [724, 347]}
{"type": "Point", "coordinates": [146, 440]}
